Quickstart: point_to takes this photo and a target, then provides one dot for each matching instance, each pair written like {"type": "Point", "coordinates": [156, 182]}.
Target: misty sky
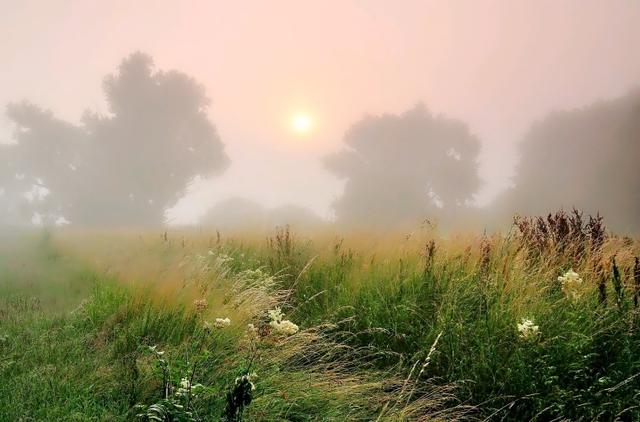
{"type": "Point", "coordinates": [498, 65]}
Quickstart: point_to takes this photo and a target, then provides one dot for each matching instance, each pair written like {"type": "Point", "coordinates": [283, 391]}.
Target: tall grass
{"type": "Point", "coordinates": [392, 327]}
{"type": "Point", "coordinates": [395, 296]}
{"type": "Point", "coordinates": [96, 361]}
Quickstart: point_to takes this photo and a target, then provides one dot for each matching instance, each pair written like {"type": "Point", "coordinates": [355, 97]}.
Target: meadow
{"type": "Point", "coordinates": [537, 323]}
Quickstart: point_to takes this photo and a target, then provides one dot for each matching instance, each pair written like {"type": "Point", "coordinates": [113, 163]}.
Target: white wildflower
{"type": "Point", "coordinates": [284, 327]}
{"type": "Point", "coordinates": [527, 329]}
{"type": "Point", "coordinates": [570, 282]}
{"type": "Point", "coordinates": [570, 277]}
{"type": "Point", "coordinates": [279, 325]}
{"type": "Point", "coordinates": [276, 314]}
{"type": "Point", "coordinates": [222, 322]}
{"type": "Point", "coordinates": [252, 328]}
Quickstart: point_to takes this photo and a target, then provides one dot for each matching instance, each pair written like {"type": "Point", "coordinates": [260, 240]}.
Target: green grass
{"type": "Point", "coordinates": [75, 331]}
{"type": "Point", "coordinates": [585, 364]}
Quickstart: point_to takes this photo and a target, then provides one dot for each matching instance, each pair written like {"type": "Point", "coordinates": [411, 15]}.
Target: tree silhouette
{"type": "Point", "coordinates": [586, 158]}
{"type": "Point", "coordinates": [125, 167]}
{"type": "Point", "coordinates": [405, 168]}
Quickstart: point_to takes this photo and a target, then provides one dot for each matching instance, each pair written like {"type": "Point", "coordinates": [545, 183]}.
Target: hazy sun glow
{"type": "Point", "coordinates": [301, 123]}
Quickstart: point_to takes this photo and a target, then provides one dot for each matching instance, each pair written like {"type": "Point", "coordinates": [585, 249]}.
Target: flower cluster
{"type": "Point", "coordinates": [218, 323]}
{"type": "Point", "coordinates": [285, 327]}
{"type": "Point", "coordinates": [222, 322]}
{"type": "Point", "coordinates": [200, 304]}
{"type": "Point", "coordinates": [275, 314]}
{"type": "Point", "coordinates": [280, 325]}
{"type": "Point", "coordinates": [570, 282]}
{"type": "Point", "coordinates": [527, 329]}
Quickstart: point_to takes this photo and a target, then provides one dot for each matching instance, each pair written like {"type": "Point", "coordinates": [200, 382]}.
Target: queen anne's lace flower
{"type": "Point", "coordinates": [276, 314]}
{"type": "Point", "coordinates": [527, 329]}
{"type": "Point", "coordinates": [285, 327]}
{"type": "Point", "coordinates": [280, 325]}
{"type": "Point", "coordinates": [570, 277]}
{"type": "Point", "coordinates": [222, 322]}
{"type": "Point", "coordinates": [570, 283]}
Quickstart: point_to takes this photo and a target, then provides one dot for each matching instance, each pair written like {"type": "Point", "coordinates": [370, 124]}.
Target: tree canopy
{"type": "Point", "coordinates": [121, 168]}
{"type": "Point", "coordinates": [586, 158]}
{"type": "Point", "coordinates": [405, 168]}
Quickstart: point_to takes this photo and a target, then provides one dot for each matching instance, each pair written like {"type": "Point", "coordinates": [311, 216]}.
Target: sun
{"type": "Point", "coordinates": [301, 123]}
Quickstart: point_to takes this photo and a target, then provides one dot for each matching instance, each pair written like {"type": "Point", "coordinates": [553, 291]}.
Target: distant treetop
{"type": "Point", "coordinates": [123, 168]}
{"type": "Point", "coordinates": [405, 168]}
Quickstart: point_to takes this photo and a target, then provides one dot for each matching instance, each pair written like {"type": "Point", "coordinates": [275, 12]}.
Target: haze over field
{"type": "Point", "coordinates": [358, 111]}
{"type": "Point", "coordinates": [319, 210]}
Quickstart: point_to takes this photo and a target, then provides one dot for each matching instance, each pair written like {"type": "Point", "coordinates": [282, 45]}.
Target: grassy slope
{"type": "Point", "coordinates": [88, 359]}
{"type": "Point", "coordinates": [584, 364]}
{"type": "Point", "coordinates": [386, 300]}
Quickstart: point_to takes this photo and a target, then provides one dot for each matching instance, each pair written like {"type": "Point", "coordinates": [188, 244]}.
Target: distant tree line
{"type": "Point", "coordinates": [125, 167]}
{"type": "Point", "coordinates": [587, 158]}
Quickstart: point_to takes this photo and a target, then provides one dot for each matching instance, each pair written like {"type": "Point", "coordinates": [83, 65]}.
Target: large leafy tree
{"type": "Point", "coordinates": [122, 168]}
{"type": "Point", "coordinates": [405, 168]}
